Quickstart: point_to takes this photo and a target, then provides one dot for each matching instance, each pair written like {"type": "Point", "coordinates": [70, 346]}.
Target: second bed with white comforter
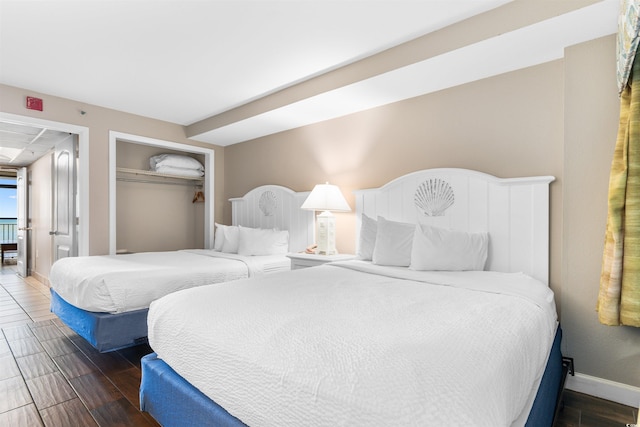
{"type": "Point", "coordinates": [122, 283]}
{"type": "Point", "coordinates": [354, 343]}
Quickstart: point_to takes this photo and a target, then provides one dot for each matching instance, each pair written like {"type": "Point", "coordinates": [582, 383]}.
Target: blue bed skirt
{"type": "Point", "coordinates": [545, 405]}
{"type": "Point", "coordinates": [172, 401]}
{"type": "Point", "coordinates": [104, 331]}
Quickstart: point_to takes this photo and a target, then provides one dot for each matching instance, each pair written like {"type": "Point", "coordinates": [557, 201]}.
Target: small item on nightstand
{"type": "Point", "coordinates": [306, 259]}
{"type": "Point", "coordinates": [311, 249]}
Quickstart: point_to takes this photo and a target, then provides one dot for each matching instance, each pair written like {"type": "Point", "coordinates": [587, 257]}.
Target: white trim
{"type": "Point", "coordinates": [208, 181]}
{"type": "Point", "coordinates": [605, 389]}
{"type": "Point", "coordinates": [83, 171]}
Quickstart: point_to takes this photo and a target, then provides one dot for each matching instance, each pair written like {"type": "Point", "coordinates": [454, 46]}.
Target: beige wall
{"type": "Point", "coordinates": [557, 119]}
{"type": "Point", "coordinates": [507, 126]}
{"type": "Point", "coordinates": [100, 121]}
{"type": "Point", "coordinates": [591, 121]}
{"type": "Point", "coordinates": [158, 216]}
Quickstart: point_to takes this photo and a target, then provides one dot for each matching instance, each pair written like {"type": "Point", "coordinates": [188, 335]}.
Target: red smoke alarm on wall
{"type": "Point", "coordinates": [34, 103]}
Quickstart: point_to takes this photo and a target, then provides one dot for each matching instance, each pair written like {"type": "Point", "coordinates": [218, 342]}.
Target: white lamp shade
{"type": "Point", "coordinates": [326, 197]}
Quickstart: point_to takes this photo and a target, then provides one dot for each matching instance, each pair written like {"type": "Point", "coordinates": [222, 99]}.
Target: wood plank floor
{"type": "Point", "coordinates": [582, 410]}
{"type": "Point", "coordinates": [50, 376]}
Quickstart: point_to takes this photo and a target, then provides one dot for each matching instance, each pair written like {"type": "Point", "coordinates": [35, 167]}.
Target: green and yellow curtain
{"type": "Point", "coordinates": [619, 296]}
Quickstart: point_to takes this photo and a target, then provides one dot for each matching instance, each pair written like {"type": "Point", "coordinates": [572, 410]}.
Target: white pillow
{"type": "Point", "coordinates": [231, 239]}
{"type": "Point", "coordinates": [368, 231]}
{"type": "Point", "coordinates": [175, 160]}
{"type": "Point", "coordinates": [435, 248]}
{"type": "Point", "coordinates": [218, 239]}
{"type": "Point", "coordinates": [393, 243]}
{"type": "Point", "coordinates": [261, 241]}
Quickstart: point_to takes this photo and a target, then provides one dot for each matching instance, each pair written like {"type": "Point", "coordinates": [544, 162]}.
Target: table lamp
{"type": "Point", "coordinates": [326, 198]}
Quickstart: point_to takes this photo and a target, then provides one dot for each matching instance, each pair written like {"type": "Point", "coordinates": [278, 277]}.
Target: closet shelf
{"type": "Point", "coordinates": [156, 174]}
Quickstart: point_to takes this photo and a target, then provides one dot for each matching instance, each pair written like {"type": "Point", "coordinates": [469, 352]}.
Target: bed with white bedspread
{"type": "Point", "coordinates": [117, 284]}
{"type": "Point", "coordinates": [105, 299]}
{"type": "Point", "coordinates": [406, 335]}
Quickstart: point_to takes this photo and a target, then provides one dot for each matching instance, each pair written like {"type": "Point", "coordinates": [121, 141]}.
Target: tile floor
{"type": "Point", "coordinates": [50, 376]}
{"type": "Point", "coordinates": [22, 300]}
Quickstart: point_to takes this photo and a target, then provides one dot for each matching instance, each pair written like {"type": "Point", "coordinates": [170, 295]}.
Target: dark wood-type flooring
{"type": "Point", "coordinates": [582, 410]}
{"type": "Point", "coordinates": [50, 376]}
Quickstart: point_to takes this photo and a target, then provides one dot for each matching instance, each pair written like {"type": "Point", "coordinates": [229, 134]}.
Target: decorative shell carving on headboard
{"type": "Point", "coordinates": [433, 197]}
{"type": "Point", "coordinates": [268, 203]}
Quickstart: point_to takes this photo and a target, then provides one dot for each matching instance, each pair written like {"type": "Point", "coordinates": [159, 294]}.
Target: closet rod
{"type": "Point", "coordinates": [148, 181]}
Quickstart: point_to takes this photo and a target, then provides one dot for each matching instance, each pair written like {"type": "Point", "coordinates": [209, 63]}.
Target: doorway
{"type": "Point", "coordinates": [43, 196]}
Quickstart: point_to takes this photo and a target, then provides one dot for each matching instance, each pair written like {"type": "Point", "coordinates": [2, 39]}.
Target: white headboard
{"type": "Point", "coordinates": [515, 212]}
{"type": "Point", "coordinates": [274, 206]}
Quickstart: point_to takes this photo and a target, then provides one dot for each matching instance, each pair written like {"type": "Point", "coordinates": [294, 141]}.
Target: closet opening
{"type": "Point", "coordinates": [152, 211]}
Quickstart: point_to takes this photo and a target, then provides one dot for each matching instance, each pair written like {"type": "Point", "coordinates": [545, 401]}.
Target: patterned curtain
{"type": "Point", "coordinates": [628, 26]}
{"type": "Point", "coordinates": [619, 296]}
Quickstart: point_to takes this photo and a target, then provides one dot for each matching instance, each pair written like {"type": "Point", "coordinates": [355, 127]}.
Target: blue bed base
{"type": "Point", "coordinates": [104, 331]}
{"type": "Point", "coordinates": [546, 404]}
{"type": "Point", "coordinates": [173, 401]}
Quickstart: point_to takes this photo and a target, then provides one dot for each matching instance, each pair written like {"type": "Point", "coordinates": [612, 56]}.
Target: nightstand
{"type": "Point", "coordinates": [304, 260]}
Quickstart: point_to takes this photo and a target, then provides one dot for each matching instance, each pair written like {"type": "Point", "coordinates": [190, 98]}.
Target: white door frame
{"type": "Point", "coordinates": [22, 232]}
{"type": "Point", "coordinates": [208, 181]}
{"type": "Point", "coordinates": [83, 169]}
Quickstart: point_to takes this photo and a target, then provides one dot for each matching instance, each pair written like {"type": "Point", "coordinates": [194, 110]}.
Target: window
{"type": "Point", "coordinates": [8, 209]}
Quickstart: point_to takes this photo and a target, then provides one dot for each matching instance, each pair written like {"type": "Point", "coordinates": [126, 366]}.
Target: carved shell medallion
{"type": "Point", "coordinates": [268, 203]}
{"type": "Point", "coordinates": [433, 197]}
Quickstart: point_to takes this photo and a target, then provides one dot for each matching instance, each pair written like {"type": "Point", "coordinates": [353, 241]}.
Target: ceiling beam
{"type": "Point", "coordinates": [509, 17]}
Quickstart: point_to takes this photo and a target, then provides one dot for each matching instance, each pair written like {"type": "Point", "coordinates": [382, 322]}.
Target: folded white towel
{"type": "Point", "coordinates": [169, 170]}
{"type": "Point", "coordinates": [175, 161]}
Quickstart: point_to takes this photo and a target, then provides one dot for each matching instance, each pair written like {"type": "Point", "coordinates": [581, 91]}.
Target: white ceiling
{"type": "Point", "coordinates": [185, 61]}
{"type": "Point", "coordinates": [22, 145]}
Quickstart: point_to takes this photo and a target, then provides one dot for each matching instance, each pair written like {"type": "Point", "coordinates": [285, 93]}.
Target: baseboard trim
{"type": "Point", "coordinates": [40, 278]}
{"type": "Point", "coordinates": [604, 389]}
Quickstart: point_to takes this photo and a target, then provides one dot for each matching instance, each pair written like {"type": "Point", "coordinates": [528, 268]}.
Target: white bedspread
{"type": "Point", "coordinates": [121, 283]}
{"type": "Point", "coordinates": [349, 344]}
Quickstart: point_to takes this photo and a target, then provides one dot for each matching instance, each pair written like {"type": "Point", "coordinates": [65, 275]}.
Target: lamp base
{"type": "Point", "coordinates": [326, 234]}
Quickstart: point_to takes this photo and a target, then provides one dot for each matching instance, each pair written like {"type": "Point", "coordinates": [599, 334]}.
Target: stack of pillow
{"type": "Point", "coordinates": [176, 164]}
{"type": "Point", "coordinates": [235, 239]}
{"type": "Point", "coordinates": [421, 247]}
